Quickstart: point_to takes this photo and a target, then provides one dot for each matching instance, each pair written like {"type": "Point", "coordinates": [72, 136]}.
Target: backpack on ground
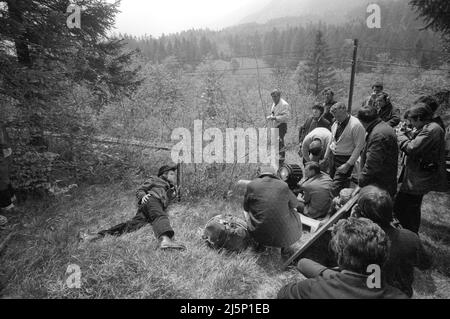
{"type": "Point", "coordinates": [226, 232]}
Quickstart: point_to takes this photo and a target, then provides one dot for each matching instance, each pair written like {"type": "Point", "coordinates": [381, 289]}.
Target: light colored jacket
{"type": "Point", "coordinates": [282, 112]}
{"type": "Point", "coordinates": [321, 133]}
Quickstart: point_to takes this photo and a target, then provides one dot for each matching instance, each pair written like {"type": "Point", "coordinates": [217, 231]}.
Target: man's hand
{"type": "Point", "coordinates": [344, 168]}
{"type": "Point", "coordinates": [144, 199]}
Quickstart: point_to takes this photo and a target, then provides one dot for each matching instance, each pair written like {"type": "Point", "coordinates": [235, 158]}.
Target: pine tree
{"type": "Point", "coordinates": [318, 69]}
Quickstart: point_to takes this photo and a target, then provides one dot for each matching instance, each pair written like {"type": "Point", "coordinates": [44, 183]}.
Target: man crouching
{"type": "Point", "coordinates": [270, 212]}
{"type": "Point", "coordinates": [153, 199]}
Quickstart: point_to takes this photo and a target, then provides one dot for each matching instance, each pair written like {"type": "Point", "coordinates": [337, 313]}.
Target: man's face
{"type": "Point", "coordinates": [171, 176]}
{"type": "Point", "coordinates": [276, 98]}
{"type": "Point", "coordinates": [380, 102]}
{"type": "Point", "coordinates": [328, 96]}
{"type": "Point", "coordinates": [309, 172]}
{"type": "Point", "coordinates": [340, 114]}
{"type": "Point", "coordinates": [377, 89]}
{"type": "Point", "coordinates": [316, 113]}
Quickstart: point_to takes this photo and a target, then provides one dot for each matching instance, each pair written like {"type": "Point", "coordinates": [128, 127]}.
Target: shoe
{"type": "Point", "coordinates": [3, 220]}
{"type": "Point", "coordinates": [168, 243]}
{"type": "Point", "coordinates": [85, 237]}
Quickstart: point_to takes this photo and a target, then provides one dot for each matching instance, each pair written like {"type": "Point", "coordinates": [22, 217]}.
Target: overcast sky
{"type": "Point", "coordinates": [155, 17]}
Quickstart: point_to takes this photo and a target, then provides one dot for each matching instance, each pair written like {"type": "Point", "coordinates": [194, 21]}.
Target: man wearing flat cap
{"type": "Point", "coordinates": [280, 114]}
{"type": "Point", "coordinates": [153, 198]}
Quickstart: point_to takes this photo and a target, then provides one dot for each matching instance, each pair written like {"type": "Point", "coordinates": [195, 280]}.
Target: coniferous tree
{"type": "Point", "coordinates": [318, 69]}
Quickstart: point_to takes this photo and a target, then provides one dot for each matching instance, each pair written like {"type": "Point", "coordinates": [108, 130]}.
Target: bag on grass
{"type": "Point", "coordinates": [226, 232]}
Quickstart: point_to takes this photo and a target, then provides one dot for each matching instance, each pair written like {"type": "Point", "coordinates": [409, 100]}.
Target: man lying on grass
{"type": "Point", "coordinates": [153, 198]}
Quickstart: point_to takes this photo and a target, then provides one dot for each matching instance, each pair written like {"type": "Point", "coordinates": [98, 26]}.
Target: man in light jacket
{"type": "Point", "coordinates": [280, 114]}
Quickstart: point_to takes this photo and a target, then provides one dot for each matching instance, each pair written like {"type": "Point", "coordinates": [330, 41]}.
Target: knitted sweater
{"type": "Point", "coordinates": [351, 142]}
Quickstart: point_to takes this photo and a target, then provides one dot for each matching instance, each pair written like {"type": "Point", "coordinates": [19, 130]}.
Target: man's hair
{"type": "Point", "coordinates": [358, 243]}
{"type": "Point", "coordinates": [376, 204]}
{"type": "Point", "coordinates": [318, 107]}
{"type": "Point", "coordinates": [429, 101]}
{"type": "Point", "coordinates": [275, 92]}
{"type": "Point", "coordinates": [315, 148]}
{"type": "Point", "coordinates": [339, 106]}
{"type": "Point", "coordinates": [367, 114]}
{"type": "Point", "coordinates": [327, 90]}
{"type": "Point", "coordinates": [313, 166]}
{"type": "Point", "coordinates": [420, 111]}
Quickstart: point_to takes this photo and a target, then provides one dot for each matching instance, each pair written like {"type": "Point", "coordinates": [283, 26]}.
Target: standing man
{"type": "Point", "coordinates": [153, 198]}
{"type": "Point", "coordinates": [280, 114]}
{"type": "Point", "coordinates": [379, 159]}
{"type": "Point", "coordinates": [329, 102]}
{"type": "Point", "coordinates": [382, 102]}
{"type": "Point", "coordinates": [425, 166]}
{"type": "Point", "coordinates": [6, 191]}
{"type": "Point", "coordinates": [316, 120]}
{"type": "Point", "coordinates": [348, 139]}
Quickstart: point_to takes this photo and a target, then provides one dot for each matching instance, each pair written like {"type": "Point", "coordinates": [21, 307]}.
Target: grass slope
{"type": "Point", "coordinates": [34, 263]}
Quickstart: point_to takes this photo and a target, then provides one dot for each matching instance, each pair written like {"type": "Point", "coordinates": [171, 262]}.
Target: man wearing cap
{"type": "Point", "coordinates": [348, 140]}
{"type": "Point", "coordinates": [270, 211]}
{"type": "Point", "coordinates": [316, 120]}
{"type": "Point", "coordinates": [280, 114]}
{"type": "Point", "coordinates": [153, 198]}
{"type": "Point", "coordinates": [382, 102]}
{"type": "Point", "coordinates": [329, 102]}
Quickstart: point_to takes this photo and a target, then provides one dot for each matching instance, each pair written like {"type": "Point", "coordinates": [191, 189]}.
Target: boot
{"type": "Point", "coordinates": [170, 243]}
{"type": "Point", "coordinates": [86, 237]}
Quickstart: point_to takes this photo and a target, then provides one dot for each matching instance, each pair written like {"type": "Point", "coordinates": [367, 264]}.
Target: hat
{"type": "Point", "coordinates": [267, 170]}
{"type": "Point", "coordinates": [166, 168]}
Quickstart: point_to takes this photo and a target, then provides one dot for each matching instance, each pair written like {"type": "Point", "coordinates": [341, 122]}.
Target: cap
{"type": "Point", "coordinates": [166, 168]}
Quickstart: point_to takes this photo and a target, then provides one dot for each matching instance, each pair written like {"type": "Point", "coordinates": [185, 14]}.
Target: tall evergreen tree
{"type": "Point", "coordinates": [318, 69]}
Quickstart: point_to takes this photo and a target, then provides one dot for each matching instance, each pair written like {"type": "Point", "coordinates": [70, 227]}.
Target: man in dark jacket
{"type": "Point", "coordinates": [315, 121]}
{"type": "Point", "coordinates": [6, 190]}
{"type": "Point", "coordinates": [153, 198]}
{"type": "Point", "coordinates": [271, 216]}
{"type": "Point", "coordinates": [406, 250]}
{"type": "Point", "coordinates": [358, 243]}
{"type": "Point", "coordinates": [382, 102]}
{"type": "Point", "coordinates": [329, 102]}
{"type": "Point", "coordinates": [379, 158]}
{"type": "Point", "coordinates": [425, 166]}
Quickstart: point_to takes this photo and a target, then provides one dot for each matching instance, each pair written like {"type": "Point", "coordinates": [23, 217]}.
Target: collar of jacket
{"type": "Point", "coordinates": [268, 175]}
{"type": "Point", "coordinates": [371, 126]}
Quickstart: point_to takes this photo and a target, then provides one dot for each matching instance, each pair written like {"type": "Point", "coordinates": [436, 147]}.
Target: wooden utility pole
{"type": "Point", "coordinates": [352, 78]}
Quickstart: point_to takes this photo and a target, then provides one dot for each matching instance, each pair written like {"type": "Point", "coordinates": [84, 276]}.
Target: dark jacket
{"type": "Point", "coordinates": [158, 188]}
{"type": "Point", "coordinates": [425, 163]}
{"type": "Point", "coordinates": [379, 158]}
{"type": "Point", "coordinates": [339, 285]}
{"type": "Point", "coordinates": [405, 253]}
{"type": "Point", "coordinates": [388, 113]}
{"type": "Point", "coordinates": [273, 220]}
{"type": "Point", "coordinates": [310, 125]}
{"type": "Point", "coordinates": [327, 114]}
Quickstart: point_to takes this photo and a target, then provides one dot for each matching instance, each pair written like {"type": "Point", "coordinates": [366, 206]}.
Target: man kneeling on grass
{"type": "Point", "coordinates": [358, 243]}
{"type": "Point", "coordinates": [153, 198]}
